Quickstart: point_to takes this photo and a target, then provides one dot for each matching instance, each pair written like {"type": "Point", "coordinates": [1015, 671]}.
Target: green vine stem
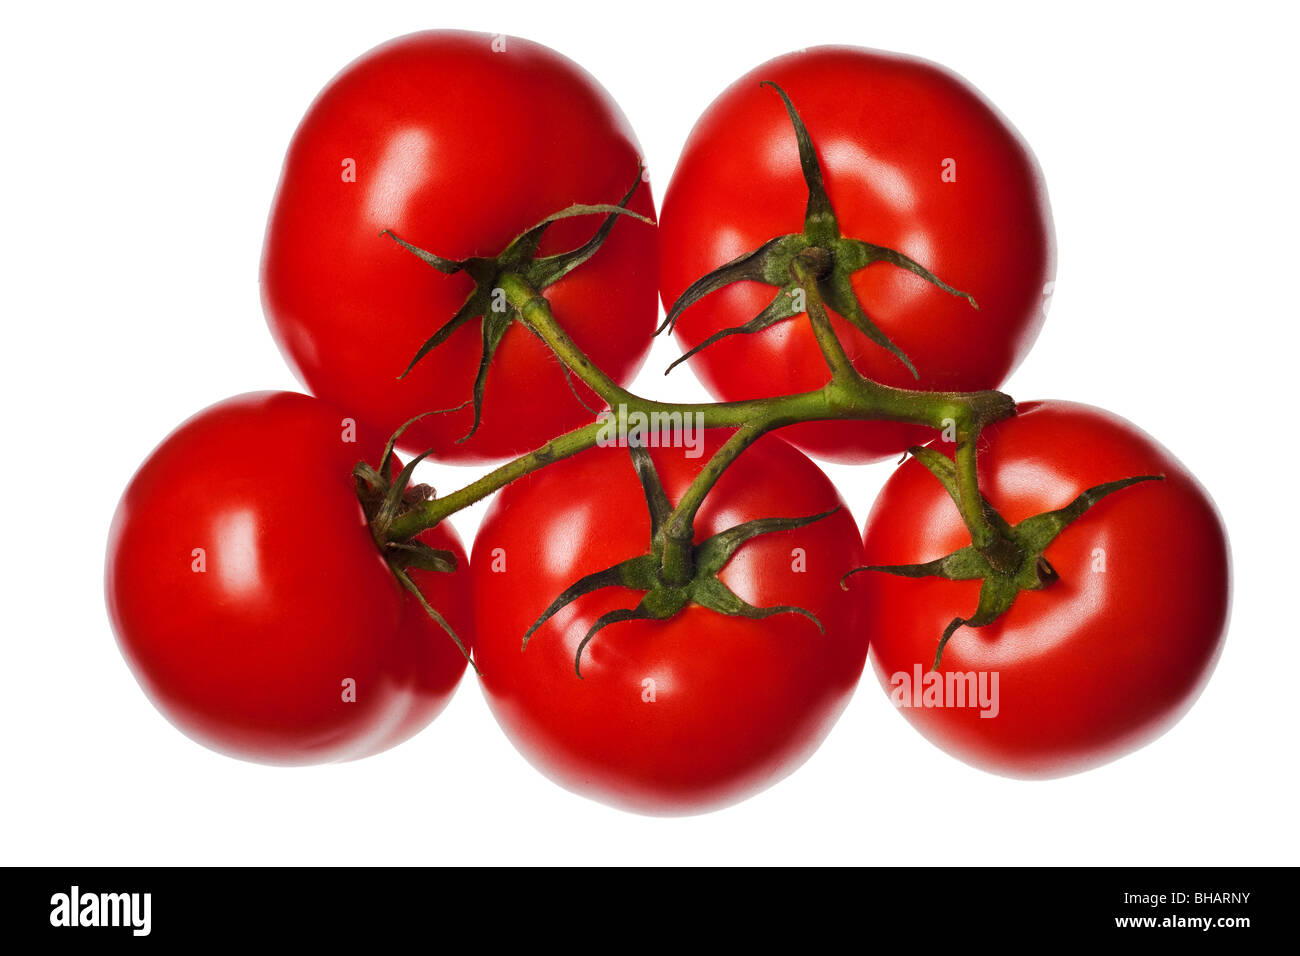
{"type": "Point", "coordinates": [847, 396]}
{"type": "Point", "coordinates": [805, 270]}
{"type": "Point", "coordinates": [679, 529]}
{"type": "Point", "coordinates": [535, 310]}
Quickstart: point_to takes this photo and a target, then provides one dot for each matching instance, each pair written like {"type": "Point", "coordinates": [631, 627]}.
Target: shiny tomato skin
{"type": "Point", "coordinates": [1096, 664]}
{"type": "Point", "coordinates": [736, 704]}
{"type": "Point", "coordinates": [884, 125]}
{"type": "Point", "coordinates": [457, 149]}
{"type": "Point", "coordinates": [248, 655]}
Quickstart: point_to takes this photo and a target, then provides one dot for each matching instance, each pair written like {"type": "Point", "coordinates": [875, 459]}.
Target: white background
{"type": "Point", "coordinates": [140, 150]}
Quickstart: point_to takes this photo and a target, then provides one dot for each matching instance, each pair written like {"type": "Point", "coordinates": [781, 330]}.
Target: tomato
{"type": "Point", "coordinates": [456, 142]}
{"type": "Point", "coordinates": [247, 592]}
{"type": "Point", "coordinates": [686, 714]}
{"type": "Point", "coordinates": [891, 131]}
{"type": "Point", "coordinates": [1099, 662]}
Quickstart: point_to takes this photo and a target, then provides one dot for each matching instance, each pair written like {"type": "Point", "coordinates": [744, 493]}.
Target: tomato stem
{"type": "Point", "coordinates": [811, 270]}
{"type": "Point", "coordinates": [536, 313]}
{"type": "Point", "coordinates": [847, 396]}
{"type": "Point", "coordinates": [679, 528]}
{"type": "Point", "coordinates": [831, 347]}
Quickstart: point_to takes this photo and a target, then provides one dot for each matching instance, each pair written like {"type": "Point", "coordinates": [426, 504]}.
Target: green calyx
{"type": "Point", "coordinates": [837, 258]}
{"type": "Point", "coordinates": [384, 499]}
{"type": "Point", "coordinates": [1003, 580]}
{"type": "Point", "coordinates": [660, 599]}
{"type": "Point", "coordinates": [519, 258]}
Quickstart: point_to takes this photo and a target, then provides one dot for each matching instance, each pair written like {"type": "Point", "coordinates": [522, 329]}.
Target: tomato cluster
{"type": "Point", "coordinates": [285, 592]}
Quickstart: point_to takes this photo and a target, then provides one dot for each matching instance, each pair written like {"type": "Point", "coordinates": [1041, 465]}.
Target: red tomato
{"type": "Point", "coordinates": [887, 129]}
{"type": "Point", "coordinates": [245, 589]}
{"type": "Point", "coordinates": [682, 715]}
{"type": "Point", "coordinates": [1096, 664]}
{"type": "Point", "coordinates": [456, 149]}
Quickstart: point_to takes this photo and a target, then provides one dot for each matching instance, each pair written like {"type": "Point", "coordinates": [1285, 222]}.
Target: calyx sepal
{"type": "Point", "coordinates": [661, 600]}
{"type": "Point", "coordinates": [773, 263]}
{"type": "Point", "coordinates": [1029, 540]}
{"type": "Point", "coordinates": [384, 498]}
{"type": "Point", "coordinates": [519, 257]}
